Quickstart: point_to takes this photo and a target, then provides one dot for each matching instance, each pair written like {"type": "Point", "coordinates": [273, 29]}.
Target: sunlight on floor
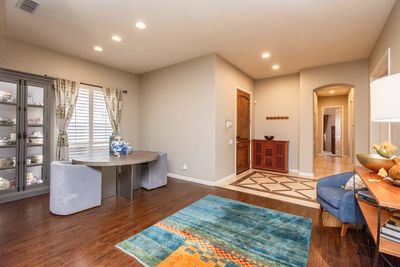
{"type": "Point", "coordinates": [326, 165]}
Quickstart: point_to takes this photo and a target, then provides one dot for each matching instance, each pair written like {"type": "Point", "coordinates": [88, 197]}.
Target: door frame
{"type": "Point", "coordinates": [322, 127]}
{"type": "Point", "coordinates": [251, 127]}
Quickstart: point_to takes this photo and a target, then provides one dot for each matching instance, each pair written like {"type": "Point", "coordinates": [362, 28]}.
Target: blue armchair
{"type": "Point", "coordinates": [339, 202]}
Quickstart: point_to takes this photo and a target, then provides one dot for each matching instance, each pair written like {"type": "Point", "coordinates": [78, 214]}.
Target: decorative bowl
{"type": "Point", "coordinates": [374, 162]}
{"type": "Point", "coordinates": [120, 147]}
{"type": "Point", "coordinates": [269, 137]}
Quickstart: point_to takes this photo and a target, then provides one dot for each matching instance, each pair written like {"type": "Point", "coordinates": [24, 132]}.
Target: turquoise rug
{"type": "Point", "coordinates": [216, 231]}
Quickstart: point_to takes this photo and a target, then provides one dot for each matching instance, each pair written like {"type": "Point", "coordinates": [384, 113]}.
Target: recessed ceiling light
{"type": "Point", "coordinates": [275, 67]}
{"type": "Point", "coordinates": [116, 38]}
{"type": "Point", "coordinates": [98, 49]}
{"type": "Point", "coordinates": [332, 91]}
{"type": "Point", "coordinates": [140, 25]}
{"type": "Point", "coordinates": [266, 55]}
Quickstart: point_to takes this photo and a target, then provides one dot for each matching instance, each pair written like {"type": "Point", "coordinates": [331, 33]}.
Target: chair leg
{"type": "Point", "coordinates": [343, 232]}
{"type": "Point", "coordinates": [321, 210]}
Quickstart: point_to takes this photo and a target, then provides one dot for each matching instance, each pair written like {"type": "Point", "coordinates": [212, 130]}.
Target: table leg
{"type": "Point", "coordinates": [109, 175]}
{"type": "Point", "coordinates": [128, 180]}
{"type": "Point", "coordinates": [376, 257]}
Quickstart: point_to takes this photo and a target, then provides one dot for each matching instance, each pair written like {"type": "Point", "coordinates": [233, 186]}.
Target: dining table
{"type": "Point", "coordinates": [121, 174]}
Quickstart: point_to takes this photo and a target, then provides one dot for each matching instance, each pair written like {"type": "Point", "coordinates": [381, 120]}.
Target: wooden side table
{"type": "Point", "coordinates": [387, 197]}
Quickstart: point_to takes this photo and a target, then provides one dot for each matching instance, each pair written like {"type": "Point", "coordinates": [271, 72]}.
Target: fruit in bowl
{"type": "Point", "coordinates": [385, 150]}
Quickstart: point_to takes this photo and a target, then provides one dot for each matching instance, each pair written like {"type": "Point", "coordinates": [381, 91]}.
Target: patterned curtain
{"type": "Point", "coordinates": [113, 98]}
{"type": "Point", "coordinates": [66, 94]}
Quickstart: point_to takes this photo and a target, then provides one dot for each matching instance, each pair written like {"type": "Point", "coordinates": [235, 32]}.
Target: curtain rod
{"type": "Point", "coordinates": [124, 91]}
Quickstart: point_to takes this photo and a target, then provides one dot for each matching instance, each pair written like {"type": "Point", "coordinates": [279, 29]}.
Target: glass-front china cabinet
{"type": "Point", "coordinates": [24, 135]}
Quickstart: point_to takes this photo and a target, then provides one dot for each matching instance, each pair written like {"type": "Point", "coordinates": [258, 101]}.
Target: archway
{"type": "Point", "coordinates": [333, 129]}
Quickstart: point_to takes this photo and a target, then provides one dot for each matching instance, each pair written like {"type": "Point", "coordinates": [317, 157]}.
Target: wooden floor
{"type": "Point", "coordinates": [328, 165]}
{"type": "Point", "coordinates": [31, 236]}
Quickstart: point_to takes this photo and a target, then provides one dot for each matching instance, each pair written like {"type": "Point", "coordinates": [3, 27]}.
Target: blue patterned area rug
{"type": "Point", "coordinates": [216, 231]}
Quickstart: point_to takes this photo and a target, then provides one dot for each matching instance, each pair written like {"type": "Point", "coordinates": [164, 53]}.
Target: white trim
{"type": "Point", "coordinates": [293, 171]}
{"type": "Point", "coordinates": [389, 61]}
{"type": "Point", "coordinates": [251, 125]}
{"type": "Point", "coordinates": [373, 126]}
{"type": "Point", "coordinates": [379, 64]}
{"type": "Point", "coordinates": [190, 179]}
{"type": "Point", "coordinates": [226, 178]}
{"type": "Point", "coordinates": [306, 174]}
{"type": "Point", "coordinates": [342, 128]}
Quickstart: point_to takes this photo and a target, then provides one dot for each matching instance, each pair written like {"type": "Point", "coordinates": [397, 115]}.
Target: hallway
{"type": "Point", "coordinates": [327, 165]}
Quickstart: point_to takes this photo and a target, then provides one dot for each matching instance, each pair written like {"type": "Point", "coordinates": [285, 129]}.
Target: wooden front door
{"type": "Point", "coordinates": [242, 132]}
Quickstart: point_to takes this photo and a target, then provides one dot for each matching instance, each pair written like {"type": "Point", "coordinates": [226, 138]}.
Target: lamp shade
{"type": "Point", "coordinates": [385, 99]}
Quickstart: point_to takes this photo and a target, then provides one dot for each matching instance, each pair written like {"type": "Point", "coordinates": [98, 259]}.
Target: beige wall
{"type": "Point", "coordinates": [28, 58]}
{"type": "Point", "coordinates": [183, 107]}
{"type": "Point", "coordinates": [177, 115]}
{"type": "Point", "coordinates": [276, 97]}
{"type": "Point", "coordinates": [228, 78]}
{"type": "Point", "coordinates": [390, 37]}
{"type": "Point", "coordinates": [351, 73]}
{"type": "Point", "coordinates": [334, 101]}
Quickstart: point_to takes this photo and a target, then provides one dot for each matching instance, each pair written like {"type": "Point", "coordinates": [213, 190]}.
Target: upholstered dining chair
{"type": "Point", "coordinates": [73, 188]}
{"type": "Point", "coordinates": [339, 202]}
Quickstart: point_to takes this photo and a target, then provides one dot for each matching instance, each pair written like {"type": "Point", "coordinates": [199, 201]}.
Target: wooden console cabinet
{"type": "Point", "coordinates": [271, 155]}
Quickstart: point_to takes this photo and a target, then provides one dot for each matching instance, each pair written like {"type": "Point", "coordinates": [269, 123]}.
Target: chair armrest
{"type": "Point", "coordinates": [336, 180]}
{"type": "Point", "coordinates": [349, 211]}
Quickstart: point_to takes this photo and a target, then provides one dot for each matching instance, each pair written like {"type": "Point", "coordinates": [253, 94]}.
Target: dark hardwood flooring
{"type": "Point", "coordinates": [31, 236]}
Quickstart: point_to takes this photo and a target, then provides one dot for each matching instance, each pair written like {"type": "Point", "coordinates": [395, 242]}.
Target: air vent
{"type": "Point", "coordinates": [27, 5]}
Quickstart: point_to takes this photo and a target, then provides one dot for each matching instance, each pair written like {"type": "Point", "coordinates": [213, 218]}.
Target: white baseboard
{"type": "Point", "coordinates": [227, 178]}
{"type": "Point", "coordinates": [306, 174]}
{"type": "Point", "coordinates": [293, 171]}
{"type": "Point", "coordinates": [190, 179]}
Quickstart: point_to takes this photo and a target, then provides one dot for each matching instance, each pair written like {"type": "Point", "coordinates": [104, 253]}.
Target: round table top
{"type": "Point", "coordinates": [104, 159]}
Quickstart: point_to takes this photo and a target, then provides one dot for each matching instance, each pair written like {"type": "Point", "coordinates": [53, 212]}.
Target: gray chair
{"type": "Point", "coordinates": [73, 188]}
{"type": "Point", "coordinates": [154, 174]}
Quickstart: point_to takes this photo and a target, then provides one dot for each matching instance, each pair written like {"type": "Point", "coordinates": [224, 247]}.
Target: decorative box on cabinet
{"type": "Point", "coordinates": [271, 155]}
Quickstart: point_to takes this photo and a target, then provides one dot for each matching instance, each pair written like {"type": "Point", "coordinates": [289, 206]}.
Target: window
{"type": "Point", "coordinates": [90, 129]}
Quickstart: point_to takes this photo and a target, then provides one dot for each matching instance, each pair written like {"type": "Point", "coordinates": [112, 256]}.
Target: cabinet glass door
{"type": "Point", "coordinates": [8, 135]}
{"type": "Point", "coordinates": [34, 135]}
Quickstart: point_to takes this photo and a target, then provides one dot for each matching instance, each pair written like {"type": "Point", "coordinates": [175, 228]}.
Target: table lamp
{"type": "Point", "coordinates": [385, 100]}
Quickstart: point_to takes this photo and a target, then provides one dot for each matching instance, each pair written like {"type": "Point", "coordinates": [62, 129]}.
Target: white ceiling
{"type": "Point", "coordinates": [298, 33]}
{"type": "Point", "coordinates": [337, 91]}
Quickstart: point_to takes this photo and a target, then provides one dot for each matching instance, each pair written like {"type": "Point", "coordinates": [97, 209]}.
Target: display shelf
{"type": "Point", "coordinates": [33, 145]}
{"type": "Point", "coordinates": [35, 106]}
{"type": "Point", "coordinates": [8, 103]}
{"type": "Point", "coordinates": [34, 164]}
{"type": "Point", "coordinates": [7, 168]}
{"type": "Point", "coordinates": [8, 146]}
{"type": "Point", "coordinates": [29, 113]}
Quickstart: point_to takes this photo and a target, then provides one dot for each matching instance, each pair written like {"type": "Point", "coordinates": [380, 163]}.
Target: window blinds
{"type": "Point", "coordinates": [90, 128]}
